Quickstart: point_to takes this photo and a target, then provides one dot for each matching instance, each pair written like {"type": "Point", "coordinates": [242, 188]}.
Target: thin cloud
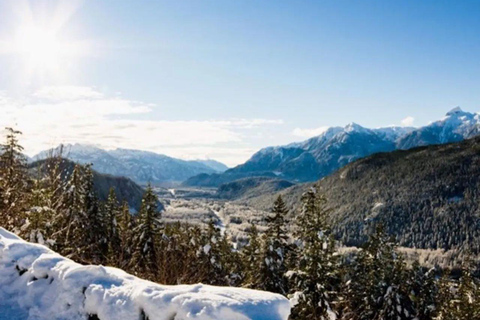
{"type": "Point", "coordinates": [308, 133]}
{"type": "Point", "coordinates": [66, 93]}
{"type": "Point", "coordinates": [57, 115]}
{"type": "Point", "coordinates": [408, 121]}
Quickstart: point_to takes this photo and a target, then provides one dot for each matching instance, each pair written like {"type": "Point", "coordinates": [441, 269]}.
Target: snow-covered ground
{"type": "Point", "coordinates": [233, 218]}
{"type": "Point", "coordinates": [38, 284]}
{"type": "Point", "coordinates": [221, 221]}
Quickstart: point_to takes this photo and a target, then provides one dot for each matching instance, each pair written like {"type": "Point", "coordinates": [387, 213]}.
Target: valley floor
{"type": "Point", "coordinates": [230, 217]}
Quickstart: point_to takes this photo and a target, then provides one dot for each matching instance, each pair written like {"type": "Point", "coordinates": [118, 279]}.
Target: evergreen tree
{"type": "Point", "coordinates": [144, 260]}
{"type": "Point", "coordinates": [315, 275]}
{"type": "Point", "coordinates": [80, 232]}
{"type": "Point", "coordinates": [96, 246]}
{"type": "Point", "coordinates": [14, 183]}
{"type": "Point", "coordinates": [424, 291]}
{"type": "Point", "coordinates": [38, 226]}
{"type": "Point", "coordinates": [126, 225]}
{"type": "Point", "coordinates": [230, 260]}
{"type": "Point", "coordinates": [111, 214]}
{"type": "Point", "coordinates": [72, 219]}
{"type": "Point", "coordinates": [251, 257]}
{"type": "Point", "coordinates": [210, 254]}
{"type": "Point", "coordinates": [379, 286]}
{"type": "Point", "coordinates": [175, 256]}
{"type": "Point", "coordinates": [54, 189]}
{"type": "Point", "coordinates": [57, 189]}
{"type": "Point", "coordinates": [468, 301]}
{"type": "Point", "coordinates": [196, 255]}
{"type": "Point", "coordinates": [54, 185]}
{"type": "Point", "coordinates": [271, 274]}
{"type": "Point", "coordinates": [445, 301]}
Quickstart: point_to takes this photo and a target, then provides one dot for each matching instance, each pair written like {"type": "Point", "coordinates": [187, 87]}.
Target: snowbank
{"type": "Point", "coordinates": [48, 286]}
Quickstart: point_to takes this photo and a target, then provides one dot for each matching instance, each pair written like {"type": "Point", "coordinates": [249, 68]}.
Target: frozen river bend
{"type": "Point", "coordinates": [38, 284]}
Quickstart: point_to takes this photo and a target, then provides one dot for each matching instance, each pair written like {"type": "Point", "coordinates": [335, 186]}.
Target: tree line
{"type": "Point", "coordinates": [63, 212]}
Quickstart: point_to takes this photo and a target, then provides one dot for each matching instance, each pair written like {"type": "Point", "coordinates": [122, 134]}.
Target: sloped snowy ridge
{"type": "Point", "coordinates": [37, 283]}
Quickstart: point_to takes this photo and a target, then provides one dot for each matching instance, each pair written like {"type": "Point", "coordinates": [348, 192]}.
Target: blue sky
{"type": "Point", "coordinates": [221, 79]}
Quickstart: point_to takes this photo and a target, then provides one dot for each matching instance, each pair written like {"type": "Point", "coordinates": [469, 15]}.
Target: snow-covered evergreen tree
{"type": "Point", "coordinates": [210, 256]}
{"type": "Point", "coordinates": [445, 300]}
{"type": "Point", "coordinates": [467, 304]}
{"type": "Point", "coordinates": [176, 254]}
{"type": "Point", "coordinates": [126, 225]}
{"type": "Point", "coordinates": [379, 286]}
{"type": "Point", "coordinates": [96, 232]}
{"type": "Point", "coordinates": [79, 230]}
{"type": "Point", "coordinates": [423, 292]}
{"type": "Point", "coordinates": [55, 189]}
{"type": "Point", "coordinates": [14, 183]}
{"type": "Point", "coordinates": [147, 232]}
{"type": "Point", "coordinates": [275, 248]}
{"type": "Point", "coordinates": [71, 221]}
{"type": "Point", "coordinates": [251, 257]}
{"type": "Point", "coordinates": [230, 260]}
{"type": "Point", "coordinates": [198, 250]}
{"type": "Point", "coordinates": [316, 271]}
{"type": "Point", "coordinates": [37, 227]}
{"type": "Point", "coordinates": [111, 214]}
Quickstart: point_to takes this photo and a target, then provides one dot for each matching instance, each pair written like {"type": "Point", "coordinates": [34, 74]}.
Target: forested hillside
{"type": "Point", "coordinates": [427, 197]}
{"type": "Point", "coordinates": [125, 189]}
{"type": "Point", "coordinates": [251, 187]}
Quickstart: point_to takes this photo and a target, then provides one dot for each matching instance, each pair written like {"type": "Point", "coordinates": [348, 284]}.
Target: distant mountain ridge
{"type": "Point", "coordinates": [322, 155]}
{"type": "Point", "coordinates": [456, 126]}
{"type": "Point", "coordinates": [140, 166]}
{"type": "Point", "coordinates": [426, 196]}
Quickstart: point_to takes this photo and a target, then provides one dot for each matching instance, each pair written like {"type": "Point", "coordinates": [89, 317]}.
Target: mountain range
{"type": "Point", "coordinates": [140, 166]}
{"type": "Point", "coordinates": [427, 197]}
{"type": "Point", "coordinates": [322, 155]}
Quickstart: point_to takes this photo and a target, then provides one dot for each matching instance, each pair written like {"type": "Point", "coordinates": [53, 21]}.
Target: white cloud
{"type": "Point", "coordinates": [308, 133]}
{"type": "Point", "coordinates": [57, 115]}
{"type": "Point", "coordinates": [231, 156]}
{"type": "Point", "coordinates": [408, 121]}
{"type": "Point", "coordinates": [252, 123]}
{"type": "Point", "coordinates": [62, 93]}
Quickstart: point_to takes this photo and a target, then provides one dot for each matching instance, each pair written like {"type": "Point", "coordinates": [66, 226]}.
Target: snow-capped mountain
{"type": "Point", "coordinates": [319, 156]}
{"type": "Point", "coordinates": [140, 166]}
{"type": "Point", "coordinates": [455, 126]}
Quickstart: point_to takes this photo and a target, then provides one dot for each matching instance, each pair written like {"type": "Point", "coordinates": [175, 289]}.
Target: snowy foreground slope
{"type": "Point", "coordinates": [39, 284]}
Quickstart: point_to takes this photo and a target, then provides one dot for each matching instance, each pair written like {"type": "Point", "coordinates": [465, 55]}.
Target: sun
{"type": "Point", "coordinates": [44, 53]}
{"type": "Point", "coordinates": [40, 48]}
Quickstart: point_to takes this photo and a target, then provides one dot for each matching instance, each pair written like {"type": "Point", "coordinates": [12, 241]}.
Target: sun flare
{"type": "Point", "coordinates": [41, 48]}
